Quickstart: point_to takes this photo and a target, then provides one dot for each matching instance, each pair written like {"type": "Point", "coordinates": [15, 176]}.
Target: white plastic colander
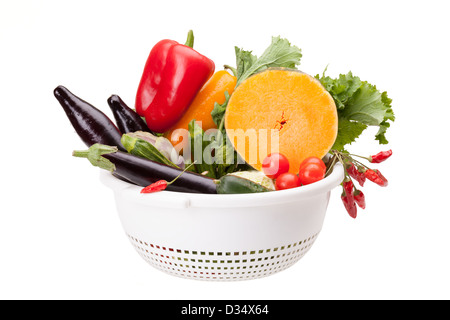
{"type": "Point", "coordinates": [223, 237]}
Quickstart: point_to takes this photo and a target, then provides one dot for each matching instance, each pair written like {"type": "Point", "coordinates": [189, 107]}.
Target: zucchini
{"type": "Point", "coordinates": [244, 182]}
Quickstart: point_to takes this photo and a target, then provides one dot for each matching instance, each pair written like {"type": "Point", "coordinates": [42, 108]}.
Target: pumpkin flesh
{"type": "Point", "coordinates": [281, 110]}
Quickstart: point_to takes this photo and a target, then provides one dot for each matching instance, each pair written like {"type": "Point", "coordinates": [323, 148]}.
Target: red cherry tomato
{"type": "Point", "coordinates": [274, 165]}
{"type": "Point", "coordinates": [310, 173]}
{"type": "Point", "coordinates": [313, 160]}
{"type": "Point", "coordinates": [287, 181]}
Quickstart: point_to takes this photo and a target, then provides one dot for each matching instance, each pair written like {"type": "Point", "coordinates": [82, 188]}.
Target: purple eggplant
{"type": "Point", "coordinates": [126, 118]}
{"type": "Point", "coordinates": [91, 124]}
{"type": "Point", "coordinates": [143, 172]}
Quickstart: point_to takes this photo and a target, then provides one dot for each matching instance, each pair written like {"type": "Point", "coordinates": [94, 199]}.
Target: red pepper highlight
{"type": "Point", "coordinates": [172, 76]}
{"type": "Point", "coordinates": [380, 157]}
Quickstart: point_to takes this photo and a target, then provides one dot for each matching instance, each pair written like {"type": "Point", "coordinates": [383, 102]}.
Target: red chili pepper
{"type": "Point", "coordinates": [348, 188]}
{"type": "Point", "coordinates": [356, 174]}
{"type": "Point", "coordinates": [376, 177]}
{"type": "Point", "coordinates": [161, 185]}
{"type": "Point", "coordinates": [172, 76]}
{"type": "Point", "coordinates": [385, 181]}
{"type": "Point", "coordinates": [380, 157]}
{"type": "Point", "coordinates": [360, 199]}
{"type": "Point", "coordinates": [349, 204]}
{"type": "Point", "coordinates": [154, 187]}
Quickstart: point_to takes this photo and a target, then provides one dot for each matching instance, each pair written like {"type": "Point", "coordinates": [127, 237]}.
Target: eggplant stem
{"type": "Point", "coordinates": [94, 155]}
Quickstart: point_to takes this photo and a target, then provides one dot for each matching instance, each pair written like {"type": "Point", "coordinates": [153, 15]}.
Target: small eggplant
{"type": "Point", "coordinates": [143, 172]}
{"type": "Point", "coordinates": [91, 124]}
{"type": "Point", "coordinates": [126, 118]}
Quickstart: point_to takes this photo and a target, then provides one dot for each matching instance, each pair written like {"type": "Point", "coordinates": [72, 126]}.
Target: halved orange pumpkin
{"type": "Point", "coordinates": [281, 110]}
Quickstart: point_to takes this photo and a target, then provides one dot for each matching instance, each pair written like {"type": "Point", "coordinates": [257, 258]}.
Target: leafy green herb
{"type": "Point", "coordinates": [359, 105]}
{"type": "Point", "coordinates": [214, 155]}
{"type": "Point", "coordinates": [341, 88]}
{"type": "Point", "coordinates": [218, 112]}
{"type": "Point", "coordinates": [348, 131]}
{"type": "Point", "coordinates": [244, 60]}
{"type": "Point", "coordinates": [279, 54]}
{"type": "Point", "coordinates": [203, 160]}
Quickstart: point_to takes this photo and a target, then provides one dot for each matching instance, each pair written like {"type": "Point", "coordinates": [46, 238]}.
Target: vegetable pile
{"type": "Point", "coordinates": [183, 133]}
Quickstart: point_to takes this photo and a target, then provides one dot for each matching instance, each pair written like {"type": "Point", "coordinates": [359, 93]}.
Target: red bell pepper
{"type": "Point", "coordinates": [173, 74]}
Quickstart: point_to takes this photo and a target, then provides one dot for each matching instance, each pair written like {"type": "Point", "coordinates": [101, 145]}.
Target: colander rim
{"type": "Point", "coordinates": [132, 192]}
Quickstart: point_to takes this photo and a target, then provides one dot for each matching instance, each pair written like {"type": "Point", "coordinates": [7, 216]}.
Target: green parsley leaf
{"type": "Point", "coordinates": [280, 54]}
{"type": "Point", "coordinates": [365, 106]}
{"type": "Point", "coordinates": [341, 88]}
{"type": "Point", "coordinates": [218, 111]}
{"type": "Point", "coordinates": [360, 104]}
{"type": "Point", "coordinates": [389, 115]}
{"type": "Point", "coordinates": [348, 131]}
{"type": "Point", "coordinates": [203, 160]}
{"type": "Point", "coordinates": [244, 60]}
{"type": "Point", "coordinates": [213, 154]}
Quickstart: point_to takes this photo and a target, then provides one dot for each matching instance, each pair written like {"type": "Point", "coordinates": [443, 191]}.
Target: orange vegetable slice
{"type": "Point", "coordinates": [200, 109]}
{"type": "Point", "coordinates": [281, 110]}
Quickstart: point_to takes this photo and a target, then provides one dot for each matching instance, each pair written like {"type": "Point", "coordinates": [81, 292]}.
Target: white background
{"type": "Point", "coordinates": [60, 236]}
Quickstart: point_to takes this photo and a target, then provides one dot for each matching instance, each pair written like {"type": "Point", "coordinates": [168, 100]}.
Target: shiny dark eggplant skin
{"type": "Point", "coordinates": [127, 120]}
{"type": "Point", "coordinates": [91, 124]}
{"type": "Point", "coordinates": [144, 172]}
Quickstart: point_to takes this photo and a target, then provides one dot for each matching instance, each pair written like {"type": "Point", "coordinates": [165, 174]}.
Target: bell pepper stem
{"type": "Point", "coordinates": [190, 39]}
{"type": "Point", "coordinates": [233, 70]}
